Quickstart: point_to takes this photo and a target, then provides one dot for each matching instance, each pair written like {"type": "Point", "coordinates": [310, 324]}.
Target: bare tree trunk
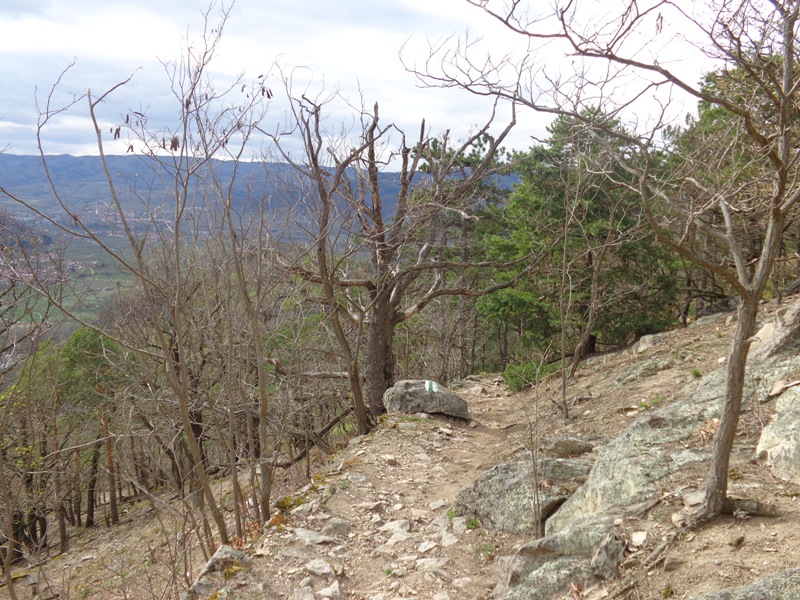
{"type": "Point", "coordinates": [112, 475]}
{"type": "Point", "coordinates": [379, 367]}
{"type": "Point", "coordinates": [716, 484]}
{"type": "Point", "coordinates": [91, 488]}
{"type": "Point", "coordinates": [77, 492]}
{"type": "Point", "coordinates": [7, 528]}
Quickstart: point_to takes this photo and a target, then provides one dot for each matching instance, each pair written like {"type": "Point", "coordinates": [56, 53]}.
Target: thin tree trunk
{"type": "Point", "coordinates": [716, 484]}
{"type": "Point", "coordinates": [77, 492]}
{"type": "Point", "coordinates": [112, 476]}
{"type": "Point", "coordinates": [91, 488]}
{"type": "Point", "coordinates": [7, 528]}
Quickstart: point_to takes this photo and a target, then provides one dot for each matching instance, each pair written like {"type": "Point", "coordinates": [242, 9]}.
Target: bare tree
{"type": "Point", "coordinates": [209, 123]}
{"type": "Point", "coordinates": [24, 322]}
{"type": "Point", "coordinates": [617, 64]}
{"type": "Point", "coordinates": [380, 260]}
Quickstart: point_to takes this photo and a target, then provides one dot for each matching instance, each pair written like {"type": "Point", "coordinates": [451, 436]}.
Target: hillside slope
{"type": "Point", "coordinates": [378, 521]}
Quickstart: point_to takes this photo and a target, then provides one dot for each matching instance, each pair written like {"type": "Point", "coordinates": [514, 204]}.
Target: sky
{"type": "Point", "coordinates": [348, 45]}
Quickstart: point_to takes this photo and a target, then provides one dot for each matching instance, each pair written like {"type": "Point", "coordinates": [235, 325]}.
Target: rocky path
{"type": "Point", "coordinates": [380, 521]}
{"type": "Point", "coordinates": [379, 524]}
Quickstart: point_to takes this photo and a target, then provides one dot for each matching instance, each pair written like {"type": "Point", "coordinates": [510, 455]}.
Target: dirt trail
{"type": "Point", "coordinates": [387, 500]}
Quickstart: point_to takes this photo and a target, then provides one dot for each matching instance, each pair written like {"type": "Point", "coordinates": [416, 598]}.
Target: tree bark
{"type": "Point", "coordinates": [91, 488]}
{"type": "Point", "coordinates": [112, 475]}
{"type": "Point", "coordinates": [379, 363]}
{"type": "Point", "coordinates": [716, 484]}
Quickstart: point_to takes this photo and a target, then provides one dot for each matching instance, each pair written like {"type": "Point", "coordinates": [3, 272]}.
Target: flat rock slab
{"type": "Point", "coordinates": [503, 497]}
{"type": "Point", "coordinates": [781, 586]}
{"type": "Point", "coordinates": [414, 396]}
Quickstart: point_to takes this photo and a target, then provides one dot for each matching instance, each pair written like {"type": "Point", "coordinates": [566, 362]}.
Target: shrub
{"type": "Point", "coordinates": [520, 376]}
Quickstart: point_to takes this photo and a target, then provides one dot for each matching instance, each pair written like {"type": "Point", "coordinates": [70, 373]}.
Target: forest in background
{"type": "Point", "coordinates": [250, 312]}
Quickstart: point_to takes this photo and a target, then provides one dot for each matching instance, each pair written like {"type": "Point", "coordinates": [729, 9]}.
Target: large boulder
{"type": "Point", "coordinates": [425, 396]}
{"type": "Point", "coordinates": [503, 497]}
{"type": "Point", "coordinates": [628, 468]}
{"type": "Point", "coordinates": [779, 444]}
{"type": "Point", "coordinates": [547, 567]}
{"type": "Point", "coordinates": [217, 572]}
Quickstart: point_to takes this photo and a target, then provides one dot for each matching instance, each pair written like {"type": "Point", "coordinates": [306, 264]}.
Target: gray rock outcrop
{"type": "Point", "coordinates": [628, 467]}
{"type": "Point", "coordinates": [225, 562]}
{"type": "Point", "coordinates": [779, 444]}
{"type": "Point", "coordinates": [548, 566]}
{"type": "Point", "coordinates": [581, 542]}
{"type": "Point", "coordinates": [781, 586]}
{"type": "Point", "coordinates": [415, 396]}
{"type": "Point", "coordinates": [503, 497]}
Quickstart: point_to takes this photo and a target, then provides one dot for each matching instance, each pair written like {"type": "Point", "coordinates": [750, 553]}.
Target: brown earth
{"type": "Point", "coordinates": [406, 476]}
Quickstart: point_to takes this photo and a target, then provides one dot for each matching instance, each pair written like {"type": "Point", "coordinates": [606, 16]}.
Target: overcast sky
{"type": "Point", "coordinates": [351, 45]}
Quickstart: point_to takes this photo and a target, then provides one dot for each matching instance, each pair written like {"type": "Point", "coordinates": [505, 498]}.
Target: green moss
{"type": "Point", "coordinates": [289, 502]}
{"type": "Point", "coordinates": [231, 571]}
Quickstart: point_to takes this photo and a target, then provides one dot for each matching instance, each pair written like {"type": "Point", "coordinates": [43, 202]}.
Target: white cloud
{"type": "Point", "coordinates": [349, 45]}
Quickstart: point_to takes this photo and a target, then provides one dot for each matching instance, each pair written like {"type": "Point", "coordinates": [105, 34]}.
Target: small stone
{"type": "Point", "coordinates": [473, 424]}
{"type": "Point", "coordinates": [356, 477]}
{"type": "Point", "coordinates": [390, 459]}
{"type": "Point", "coordinates": [383, 550]}
{"type": "Point", "coordinates": [397, 525]}
{"type": "Point", "coordinates": [431, 564]}
{"type": "Point", "coordinates": [336, 527]}
{"type": "Point", "coordinates": [332, 591]}
{"type": "Point", "coordinates": [319, 566]}
{"type": "Point", "coordinates": [310, 538]}
{"type": "Point", "coordinates": [399, 536]}
{"type": "Point", "coordinates": [305, 508]}
{"type": "Point", "coordinates": [722, 360]}
{"type": "Point", "coordinates": [680, 519]}
{"type": "Point", "coordinates": [303, 593]}
{"type": "Point", "coordinates": [437, 504]}
{"type": "Point", "coordinates": [691, 499]}
{"type": "Point", "coordinates": [442, 596]}
{"type": "Point", "coordinates": [440, 523]}
{"type": "Point", "coordinates": [426, 546]}
{"type": "Point", "coordinates": [638, 538]}
{"type": "Point", "coordinates": [448, 539]}
{"type": "Point", "coordinates": [459, 525]}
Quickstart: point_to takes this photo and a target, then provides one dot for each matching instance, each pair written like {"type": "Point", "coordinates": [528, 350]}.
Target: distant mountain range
{"type": "Point", "coordinates": [143, 184]}
{"type": "Point", "coordinates": [82, 182]}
